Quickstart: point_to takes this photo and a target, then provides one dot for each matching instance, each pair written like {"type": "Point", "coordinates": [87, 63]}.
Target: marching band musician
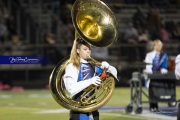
{"type": "Point", "coordinates": [177, 74]}
{"type": "Point", "coordinates": [177, 67]}
{"type": "Point", "coordinates": [156, 60]}
{"type": "Point", "coordinates": [79, 74]}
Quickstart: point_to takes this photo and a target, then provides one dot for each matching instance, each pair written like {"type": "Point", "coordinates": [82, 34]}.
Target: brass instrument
{"type": "Point", "coordinates": [94, 22]}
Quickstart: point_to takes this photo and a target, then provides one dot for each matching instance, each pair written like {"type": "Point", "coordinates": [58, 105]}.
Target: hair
{"type": "Point", "coordinates": [74, 56]}
{"type": "Point", "coordinates": [155, 42]}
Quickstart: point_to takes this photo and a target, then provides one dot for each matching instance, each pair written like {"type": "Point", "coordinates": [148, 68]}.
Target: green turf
{"type": "Point", "coordinates": [27, 104]}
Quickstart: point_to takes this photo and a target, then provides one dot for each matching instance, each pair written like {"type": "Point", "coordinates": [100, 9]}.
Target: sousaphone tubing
{"type": "Point", "coordinates": [96, 24]}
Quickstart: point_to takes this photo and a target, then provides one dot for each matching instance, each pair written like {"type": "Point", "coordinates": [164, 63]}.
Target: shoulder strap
{"type": "Point", "coordinates": [161, 54]}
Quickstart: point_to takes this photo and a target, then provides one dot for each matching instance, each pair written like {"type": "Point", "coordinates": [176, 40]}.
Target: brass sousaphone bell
{"type": "Point", "coordinates": [96, 23]}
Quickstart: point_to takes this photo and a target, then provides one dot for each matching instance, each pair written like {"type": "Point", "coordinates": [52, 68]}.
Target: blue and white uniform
{"type": "Point", "coordinates": [77, 80]}
{"type": "Point", "coordinates": [156, 62]}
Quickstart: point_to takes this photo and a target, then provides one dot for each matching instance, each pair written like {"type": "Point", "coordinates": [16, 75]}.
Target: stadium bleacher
{"type": "Point", "coordinates": [34, 19]}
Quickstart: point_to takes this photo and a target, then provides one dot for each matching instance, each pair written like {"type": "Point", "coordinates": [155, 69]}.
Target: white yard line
{"type": "Point", "coordinates": [5, 96]}
{"type": "Point", "coordinates": [27, 108]}
{"type": "Point", "coordinates": [145, 115]}
{"type": "Point", "coordinates": [148, 114]}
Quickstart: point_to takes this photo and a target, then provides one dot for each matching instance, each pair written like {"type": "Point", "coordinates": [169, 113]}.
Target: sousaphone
{"type": "Point", "coordinates": [96, 23]}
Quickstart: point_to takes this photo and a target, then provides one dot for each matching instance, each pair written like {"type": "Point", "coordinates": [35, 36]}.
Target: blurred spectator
{"type": "Point", "coordinates": [143, 39]}
{"type": "Point", "coordinates": [4, 11]}
{"type": "Point", "coordinates": [170, 25]}
{"type": "Point", "coordinates": [54, 24]}
{"type": "Point", "coordinates": [139, 19]}
{"type": "Point", "coordinates": [176, 31]}
{"type": "Point", "coordinates": [3, 30]}
{"type": "Point", "coordinates": [143, 36]}
{"type": "Point", "coordinates": [153, 22]}
{"type": "Point", "coordinates": [164, 35]}
{"type": "Point", "coordinates": [51, 51]}
{"type": "Point", "coordinates": [11, 26]}
{"type": "Point", "coordinates": [131, 37]}
{"type": "Point", "coordinates": [131, 34]}
{"type": "Point", "coordinates": [66, 13]}
{"type": "Point", "coordinates": [55, 6]}
{"type": "Point", "coordinates": [149, 46]}
{"type": "Point", "coordinates": [67, 35]}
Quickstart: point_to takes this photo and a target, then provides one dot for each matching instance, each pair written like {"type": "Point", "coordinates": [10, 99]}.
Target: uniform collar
{"type": "Point", "coordinates": [83, 61]}
{"type": "Point", "coordinates": [154, 51]}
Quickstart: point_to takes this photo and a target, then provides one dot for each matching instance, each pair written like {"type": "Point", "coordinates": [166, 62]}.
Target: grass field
{"type": "Point", "coordinates": [40, 105]}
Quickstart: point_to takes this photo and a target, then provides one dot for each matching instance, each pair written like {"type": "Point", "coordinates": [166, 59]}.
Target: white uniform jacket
{"type": "Point", "coordinates": [177, 67]}
{"type": "Point", "coordinates": [149, 60]}
{"type": "Point", "coordinates": [71, 79]}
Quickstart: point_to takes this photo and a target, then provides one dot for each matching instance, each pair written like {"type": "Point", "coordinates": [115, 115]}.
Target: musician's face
{"type": "Point", "coordinates": [158, 47]}
{"type": "Point", "coordinates": [84, 51]}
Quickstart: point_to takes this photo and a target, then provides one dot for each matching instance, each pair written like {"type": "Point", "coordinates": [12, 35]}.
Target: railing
{"type": "Point", "coordinates": [116, 53]}
{"type": "Point", "coordinates": [32, 34]}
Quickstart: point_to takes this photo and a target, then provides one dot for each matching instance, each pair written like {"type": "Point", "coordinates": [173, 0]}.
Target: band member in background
{"type": "Point", "coordinates": [177, 74]}
{"type": "Point", "coordinates": [156, 61]}
{"type": "Point", "coordinates": [177, 67]}
{"type": "Point", "coordinates": [79, 74]}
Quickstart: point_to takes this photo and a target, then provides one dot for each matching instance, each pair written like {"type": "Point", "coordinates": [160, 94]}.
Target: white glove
{"type": "Point", "coordinates": [104, 64]}
{"type": "Point", "coordinates": [75, 87]}
{"type": "Point", "coordinates": [148, 71]}
{"type": "Point", "coordinates": [95, 80]}
{"type": "Point", "coordinates": [163, 71]}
